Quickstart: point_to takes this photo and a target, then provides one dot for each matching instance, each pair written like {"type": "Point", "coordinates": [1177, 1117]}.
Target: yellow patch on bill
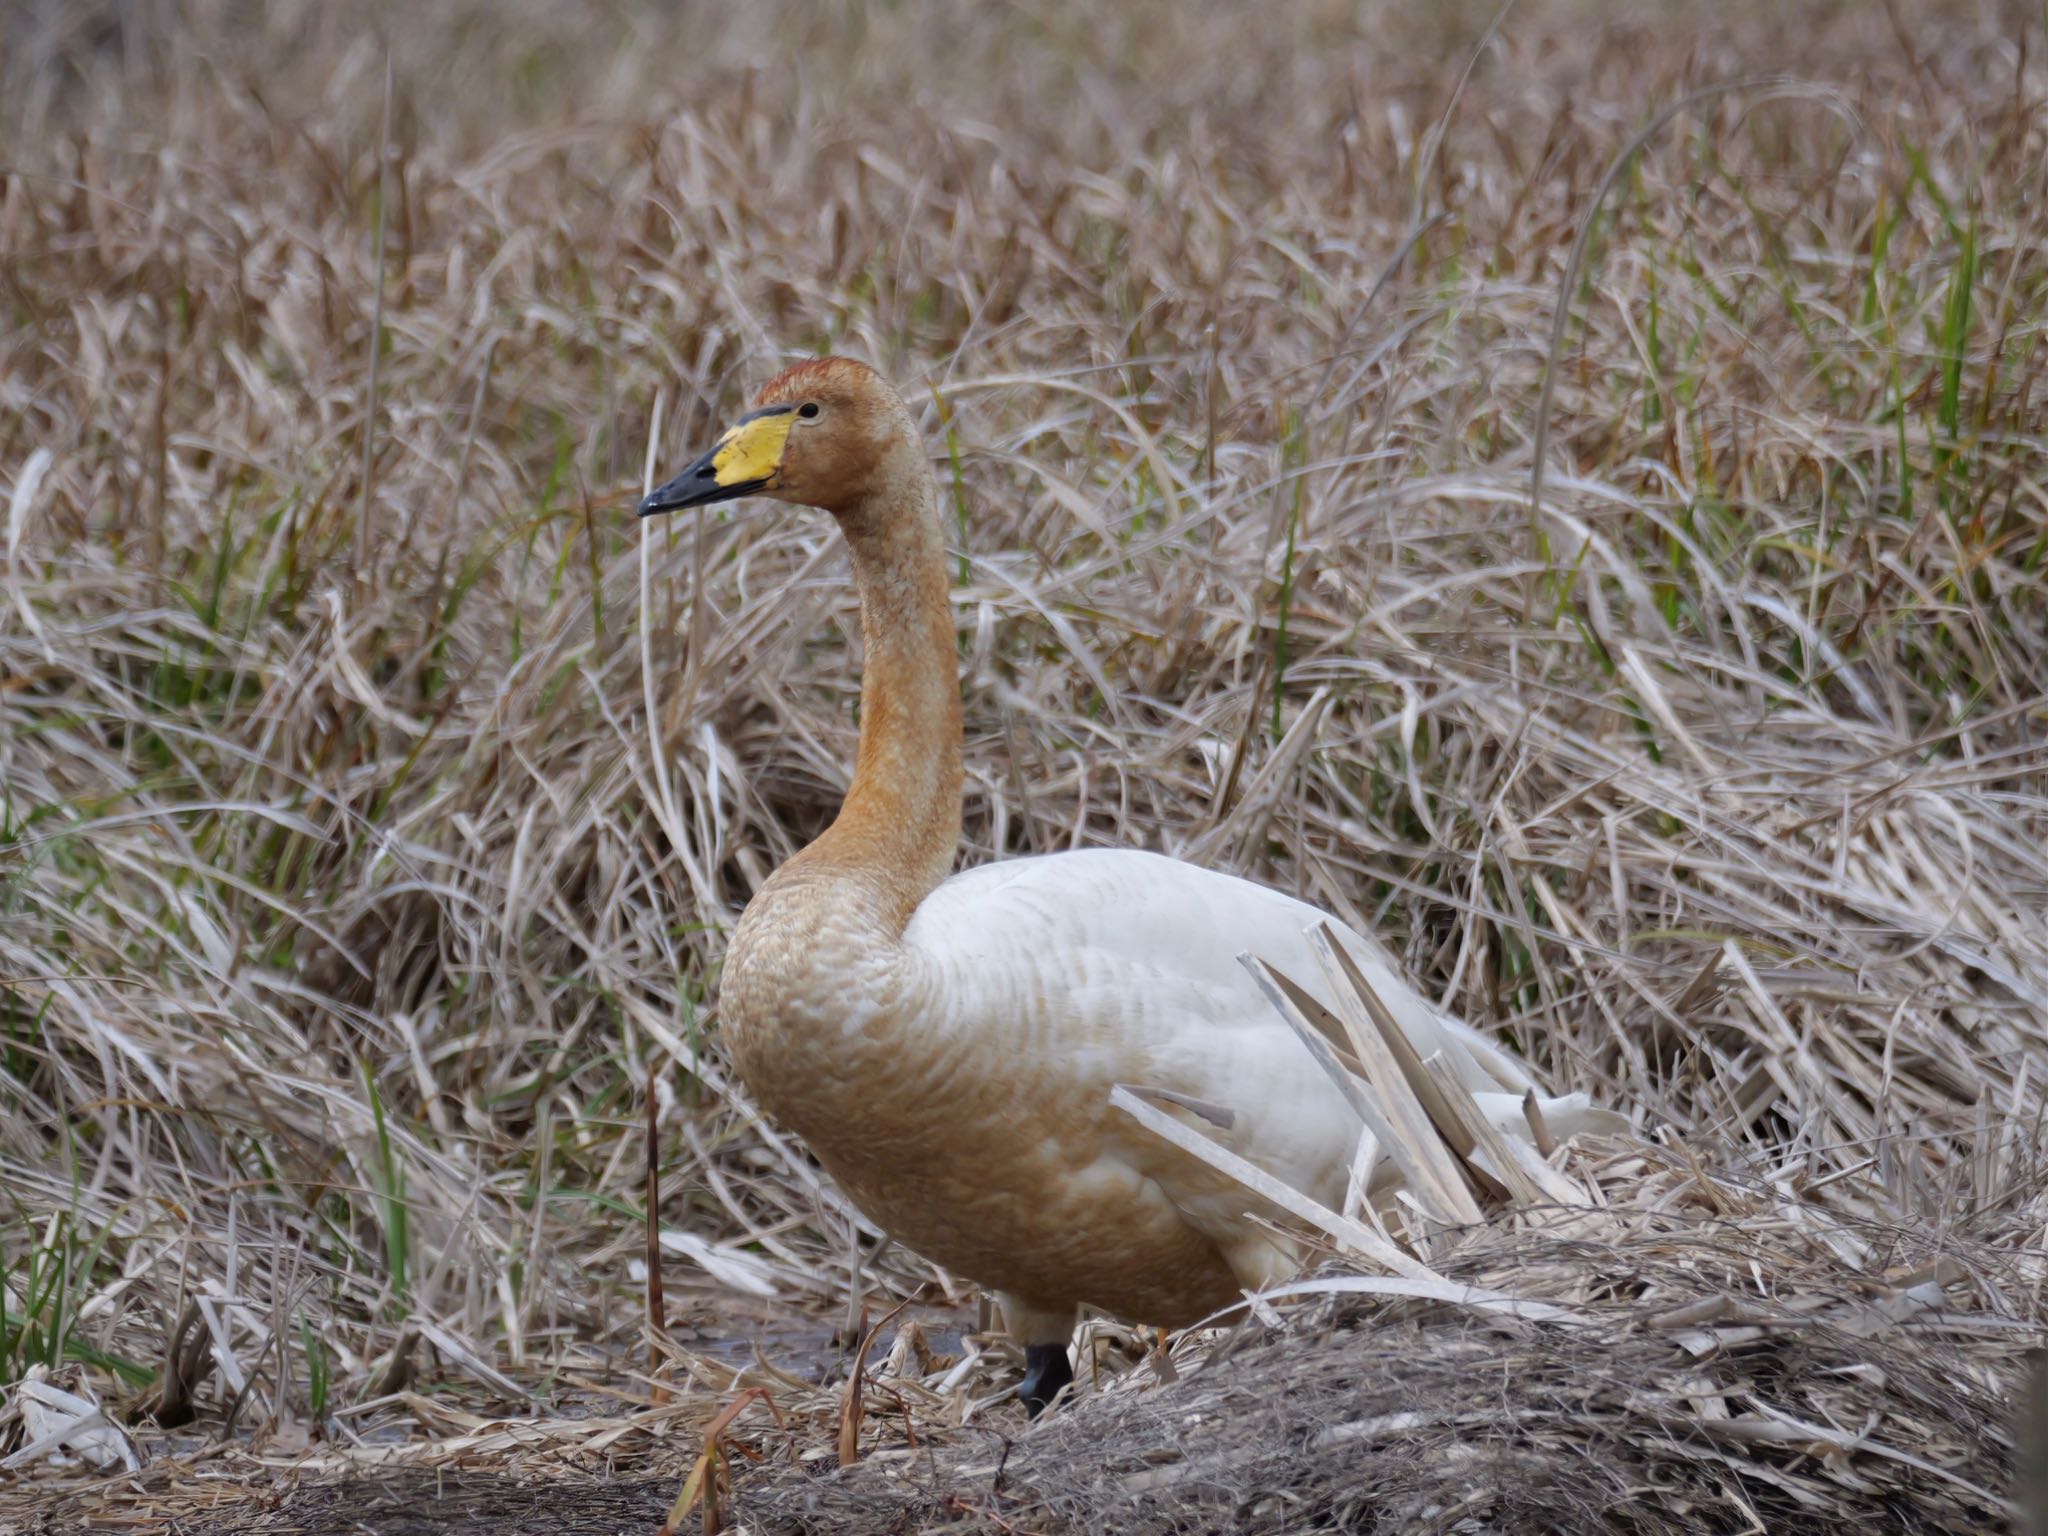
{"type": "Point", "coordinates": [752, 450]}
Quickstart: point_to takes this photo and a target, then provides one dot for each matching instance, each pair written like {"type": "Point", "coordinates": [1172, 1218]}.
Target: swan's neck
{"type": "Point", "coordinates": [897, 833]}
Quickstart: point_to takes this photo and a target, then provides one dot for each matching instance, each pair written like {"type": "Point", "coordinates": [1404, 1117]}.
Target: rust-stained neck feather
{"type": "Point", "coordinates": [897, 833]}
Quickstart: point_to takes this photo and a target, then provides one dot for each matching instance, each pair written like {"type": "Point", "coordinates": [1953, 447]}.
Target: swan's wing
{"type": "Point", "coordinates": [1100, 967]}
{"type": "Point", "coordinates": [1181, 919]}
{"type": "Point", "coordinates": [1088, 971]}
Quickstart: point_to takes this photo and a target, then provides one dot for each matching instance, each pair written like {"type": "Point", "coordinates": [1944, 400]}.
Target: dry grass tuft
{"type": "Point", "coordinates": [348, 891]}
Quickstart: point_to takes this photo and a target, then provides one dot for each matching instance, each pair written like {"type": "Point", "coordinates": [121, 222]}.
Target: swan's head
{"type": "Point", "coordinates": [825, 433]}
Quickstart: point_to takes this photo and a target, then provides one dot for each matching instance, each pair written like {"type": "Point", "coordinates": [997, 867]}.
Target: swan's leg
{"type": "Point", "coordinates": [1044, 1332]}
{"type": "Point", "coordinates": [1046, 1370]}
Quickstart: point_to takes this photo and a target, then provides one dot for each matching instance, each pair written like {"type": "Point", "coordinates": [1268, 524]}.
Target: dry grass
{"type": "Point", "coordinates": [347, 890]}
{"type": "Point", "coordinates": [1700, 1391]}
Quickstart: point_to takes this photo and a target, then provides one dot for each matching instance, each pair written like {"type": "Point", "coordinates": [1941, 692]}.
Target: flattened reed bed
{"type": "Point", "coordinates": [347, 890]}
{"type": "Point", "coordinates": [1738, 1373]}
{"type": "Point", "coordinates": [1731, 1356]}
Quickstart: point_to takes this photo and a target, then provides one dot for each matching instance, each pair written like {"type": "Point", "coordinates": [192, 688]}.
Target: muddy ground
{"type": "Point", "coordinates": [459, 1504]}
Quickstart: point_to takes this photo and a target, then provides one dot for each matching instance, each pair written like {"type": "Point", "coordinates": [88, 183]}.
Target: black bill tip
{"type": "Point", "coordinates": [696, 486]}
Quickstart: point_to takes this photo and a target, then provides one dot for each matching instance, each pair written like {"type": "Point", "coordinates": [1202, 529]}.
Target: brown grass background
{"type": "Point", "coordinates": [366, 838]}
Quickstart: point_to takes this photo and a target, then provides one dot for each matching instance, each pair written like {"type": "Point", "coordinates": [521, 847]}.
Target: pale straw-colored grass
{"type": "Point", "coordinates": [347, 890]}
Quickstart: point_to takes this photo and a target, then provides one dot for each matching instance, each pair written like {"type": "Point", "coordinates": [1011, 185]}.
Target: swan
{"type": "Point", "coordinates": [946, 1044]}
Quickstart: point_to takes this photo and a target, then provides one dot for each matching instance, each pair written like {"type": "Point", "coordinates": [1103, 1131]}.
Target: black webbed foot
{"type": "Point", "coordinates": [1046, 1370]}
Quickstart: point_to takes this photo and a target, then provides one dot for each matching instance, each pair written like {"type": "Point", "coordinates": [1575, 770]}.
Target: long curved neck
{"type": "Point", "coordinates": [897, 833]}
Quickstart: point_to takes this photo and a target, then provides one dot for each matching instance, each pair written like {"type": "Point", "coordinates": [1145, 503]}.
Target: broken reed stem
{"type": "Point", "coordinates": [852, 1405]}
{"type": "Point", "coordinates": [703, 1482]}
{"type": "Point", "coordinates": [2033, 1443]}
{"type": "Point", "coordinates": [657, 1310]}
{"type": "Point", "coordinates": [366, 545]}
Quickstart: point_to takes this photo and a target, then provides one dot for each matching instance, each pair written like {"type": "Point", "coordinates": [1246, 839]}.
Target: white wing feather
{"type": "Point", "coordinates": [1129, 965]}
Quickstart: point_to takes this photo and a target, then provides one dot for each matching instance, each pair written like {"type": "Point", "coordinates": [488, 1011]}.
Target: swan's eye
{"type": "Point", "coordinates": [808, 410]}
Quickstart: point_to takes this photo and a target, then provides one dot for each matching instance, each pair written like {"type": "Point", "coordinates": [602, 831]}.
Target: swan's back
{"type": "Point", "coordinates": [1122, 918]}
